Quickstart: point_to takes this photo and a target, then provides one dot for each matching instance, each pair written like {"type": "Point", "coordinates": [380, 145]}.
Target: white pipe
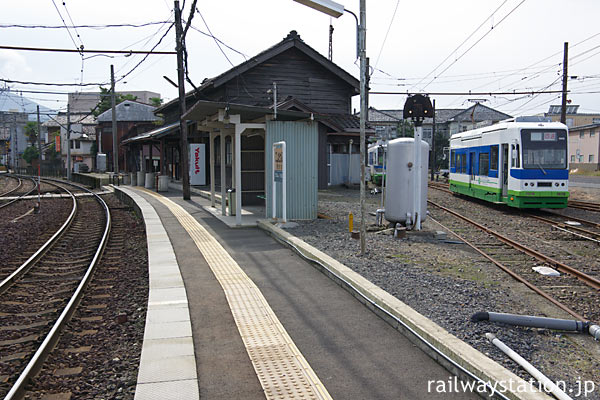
{"type": "Point", "coordinates": [417, 178]}
{"type": "Point", "coordinates": [549, 386]}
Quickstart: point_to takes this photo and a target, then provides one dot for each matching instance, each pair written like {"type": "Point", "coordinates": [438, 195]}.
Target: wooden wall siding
{"type": "Point", "coordinates": [296, 75]}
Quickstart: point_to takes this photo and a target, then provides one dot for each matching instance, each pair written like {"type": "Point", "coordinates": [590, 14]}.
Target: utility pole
{"type": "Point", "coordinates": [115, 136]}
{"type": "Point", "coordinates": [563, 109]}
{"type": "Point", "coordinates": [185, 157]}
{"type": "Point", "coordinates": [362, 42]}
{"type": "Point", "coordinates": [68, 142]}
{"type": "Point", "coordinates": [433, 145]}
{"type": "Point", "coordinates": [13, 143]}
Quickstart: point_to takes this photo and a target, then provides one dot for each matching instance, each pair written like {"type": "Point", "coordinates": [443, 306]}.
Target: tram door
{"type": "Point", "coordinates": [504, 169]}
{"type": "Point", "coordinates": [471, 168]}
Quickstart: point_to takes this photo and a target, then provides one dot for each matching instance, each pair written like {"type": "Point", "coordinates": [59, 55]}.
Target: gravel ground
{"type": "Point", "coordinates": [448, 282]}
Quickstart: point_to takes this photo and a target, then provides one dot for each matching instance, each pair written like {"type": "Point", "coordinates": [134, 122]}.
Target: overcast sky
{"type": "Point", "coordinates": [523, 51]}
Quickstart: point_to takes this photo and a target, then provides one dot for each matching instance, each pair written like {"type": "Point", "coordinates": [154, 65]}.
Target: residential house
{"type": "Point", "coordinates": [83, 136]}
{"type": "Point", "coordinates": [132, 118]}
{"type": "Point", "coordinates": [584, 147]}
{"type": "Point", "coordinates": [84, 102]}
{"type": "Point", "coordinates": [13, 141]}
{"type": "Point", "coordinates": [573, 117]}
{"type": "Point", "coordinates": [448, 121]}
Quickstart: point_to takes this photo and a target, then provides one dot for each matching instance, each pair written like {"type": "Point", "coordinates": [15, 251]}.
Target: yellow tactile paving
{"type": "Point", "coordinates": [282, 370]}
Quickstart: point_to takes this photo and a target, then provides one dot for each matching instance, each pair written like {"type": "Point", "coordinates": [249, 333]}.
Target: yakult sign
{"type": "Point", "coordinates": [197, 164]}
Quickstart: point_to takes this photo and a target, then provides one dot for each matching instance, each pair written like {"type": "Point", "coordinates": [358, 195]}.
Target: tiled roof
{"type": "Point", "coordinates": [61, 119]}
{"type": "Point", "coordinates": [479, 112]}
{"type": "Point", "coordinates": [130, 111]}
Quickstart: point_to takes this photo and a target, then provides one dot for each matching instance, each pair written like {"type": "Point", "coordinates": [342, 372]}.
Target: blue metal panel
{"type": "Point", "coordinates": [302, 141]}
{"type": "Point", "coordinates": [539, 174]}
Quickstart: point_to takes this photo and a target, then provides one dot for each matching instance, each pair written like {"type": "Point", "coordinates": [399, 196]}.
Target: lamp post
{"type": "Point", "coordinates": [335, 10]}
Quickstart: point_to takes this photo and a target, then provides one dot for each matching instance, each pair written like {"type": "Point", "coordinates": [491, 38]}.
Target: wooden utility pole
{"type": "Point", "coordinates": [68, 142]}
{"type": "Point", "coordinates": [185, 148]}
{"type": "Point", "coordinates": [563, 108]}
{"type": "Point", "coordinates": [113, 103]}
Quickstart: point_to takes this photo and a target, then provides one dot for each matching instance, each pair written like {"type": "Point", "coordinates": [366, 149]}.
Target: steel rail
{"type": "Point", "coordinates": [21, 196]}
{"type": "Point", "coordinates": [584, 205]}
{"type": "Point", "coordinates": [15, 189]}
{"type": "Point", "coordinates": [589, 280]}
{"type": "Point", "coordinates": [513, 274]}
{"type": "Point", "coordinates": [565, 226]}
{"type": "Point", "coordinates": [26, 266]}
{"type": "Point", "coordinates": [36, 362]}
{"type": "Point", "coordinates": [583, 221]}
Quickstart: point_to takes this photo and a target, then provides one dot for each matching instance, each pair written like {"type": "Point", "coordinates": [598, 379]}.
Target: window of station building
{"type": "Point", "coordinates": [572, 158]}
{"type": "Point", "coordinates": [592, 133]}
{"type": "Point", "coordinates": [582, 134]}
{"type": "Point", "coordinates": [484, 164]}
{"type": "Point", "coordinates": [591, 158]}
{"type": "Point", "coordinates": [494, 157]}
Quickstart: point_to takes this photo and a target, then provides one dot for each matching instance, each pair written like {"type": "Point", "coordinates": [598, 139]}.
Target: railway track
{"type": "Point", "coordinates": [19, 184]}
{"type": "Point", "coordinates": [38, 299]}
{"type": "Point", "coordinates": [574, 291]}
{"type": "Point", "coordinates": [26, 187]}
{"type": "Point", "coordinates": [584, 205]}
{"type": "Point", "coordinates": [577, 231]}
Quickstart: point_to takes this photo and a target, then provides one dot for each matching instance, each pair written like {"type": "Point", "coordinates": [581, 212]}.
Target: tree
{"type": "Point", "coordinates": [156, 101]}
{"type": "Point", "coordinates": [30, 154]}
{"type": "Point", "coordinates": [105, 102]}
{"type": "Point", "coordinates": [31, 131]}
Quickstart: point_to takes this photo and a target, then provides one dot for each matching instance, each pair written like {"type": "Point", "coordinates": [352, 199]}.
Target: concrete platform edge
{"type": "Point", "coordinates": [460, 352]}
{"type": "Point", "coordinates": [160, 370]}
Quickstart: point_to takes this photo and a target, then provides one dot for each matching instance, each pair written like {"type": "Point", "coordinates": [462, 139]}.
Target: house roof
{"type": "Point", "coordinates": [61, 120]}
{"type": "Point", "coordinates": [292, 40]}
{"type": "Point", "coordinates": [583, 127]}
{"type": "Point", "coordinates": [479, 112]}
{"type": "Point", "coordinates": [130, 111]}
{"type": "Point", "coordinates": [442, 115]}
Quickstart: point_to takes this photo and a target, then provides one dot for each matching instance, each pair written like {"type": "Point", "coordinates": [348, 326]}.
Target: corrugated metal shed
{"type": "Point", "coordinates": [302, 141]}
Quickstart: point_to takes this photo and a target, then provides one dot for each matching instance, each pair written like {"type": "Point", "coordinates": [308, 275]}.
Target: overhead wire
{"type": "Point", "coordinates": [386, 34]}
{"type": "Point", "coordinates": [475, 44]}
{"type": "Point", "coordinates": [462, 43]}
{"type": "Point", "coordinates": [106, 26]}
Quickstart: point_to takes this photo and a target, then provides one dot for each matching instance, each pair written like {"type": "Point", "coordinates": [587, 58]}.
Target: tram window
{"type": "Point", "coordinates": [518, 157]}
{"type": "Point", "coordinates": [515, 156]}
{"type": "Point", "coordinates": [463, 163]}
{"type": "Point", "coordinates": [452, 160]}
{"type": "Point", "coordinates": [494, 157]}
{"type": "Point", "coordinates": [484, 164]}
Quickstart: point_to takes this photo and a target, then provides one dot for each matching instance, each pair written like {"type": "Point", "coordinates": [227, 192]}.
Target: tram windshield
{"type": "Point", "coordinates": [544, 149]}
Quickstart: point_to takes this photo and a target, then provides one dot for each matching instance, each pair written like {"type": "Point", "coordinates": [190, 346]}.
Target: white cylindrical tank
{"type": "Point", "coordinates": [399, 179]}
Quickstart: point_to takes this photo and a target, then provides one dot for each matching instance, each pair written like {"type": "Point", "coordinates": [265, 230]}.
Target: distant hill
{"type": "Point", "coordinates": [13, 101]}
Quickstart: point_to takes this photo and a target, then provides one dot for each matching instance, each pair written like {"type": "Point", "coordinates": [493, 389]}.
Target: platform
{"type": "Point", "coordinates": [267, 324]}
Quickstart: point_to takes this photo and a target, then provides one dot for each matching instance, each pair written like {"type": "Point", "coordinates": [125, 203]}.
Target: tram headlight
{"type": "Point", "coordinates": [562, 184]}
{"type": "Point", "coordinates": [556, 184]}
{"type": "Point", "coordinates": [526, 183]}
{"type": "Point", "coordinates": [532, 184]}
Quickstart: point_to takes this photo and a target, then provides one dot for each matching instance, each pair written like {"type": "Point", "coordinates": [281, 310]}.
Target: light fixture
{"type": "Point", "coordinates": [328, 7]}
